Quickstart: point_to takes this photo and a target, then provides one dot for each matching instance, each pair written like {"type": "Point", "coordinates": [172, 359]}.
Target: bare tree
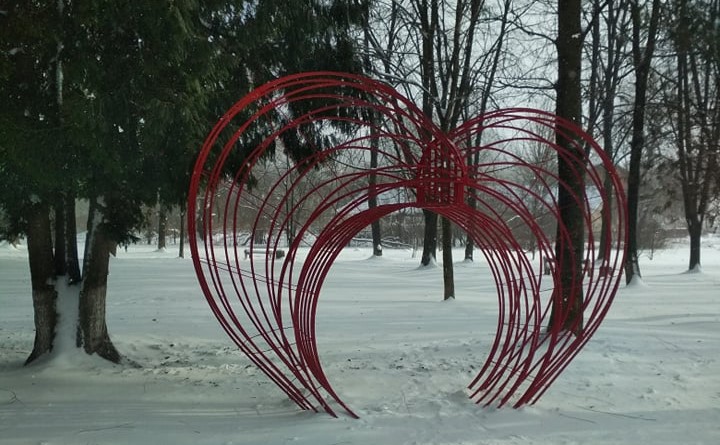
{"type": "Point", "coordinates": [448, 61]}
{"type": "Point", "coordinates": [644, 36]}
{"type": "Point", "coordinates": [489, 70]}
{"type": "Point", "coordinates": [433, 50]}
{"type": "Point", "coordinates": [610, 65]}
{"type": "Point", "coordinates": [693, 102]}
{"type": "Point", "coordinates": [375, 228]}
{"type": "Point", "coordinates": [569, 253]}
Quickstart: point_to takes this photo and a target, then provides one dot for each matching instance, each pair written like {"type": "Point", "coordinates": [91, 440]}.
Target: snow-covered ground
{"type": "Point", "coordinates": [398, 355]}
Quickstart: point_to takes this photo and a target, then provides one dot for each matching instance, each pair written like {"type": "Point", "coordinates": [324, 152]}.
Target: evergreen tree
{"type": "Point", "coordinates": [32, 174]}
{"type": "Point", "coordinates": [109, 101]}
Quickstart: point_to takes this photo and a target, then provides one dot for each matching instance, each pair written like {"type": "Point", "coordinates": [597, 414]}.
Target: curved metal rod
{"type": "Point", "coordinates": [494, 176]}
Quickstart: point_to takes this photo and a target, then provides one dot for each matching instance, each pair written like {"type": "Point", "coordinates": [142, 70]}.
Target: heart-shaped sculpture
{"type": "Point", "coordinates": [495, 176]}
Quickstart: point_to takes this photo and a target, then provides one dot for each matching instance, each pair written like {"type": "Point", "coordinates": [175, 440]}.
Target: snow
{"type": "Point", "coordinates": [395, 352]}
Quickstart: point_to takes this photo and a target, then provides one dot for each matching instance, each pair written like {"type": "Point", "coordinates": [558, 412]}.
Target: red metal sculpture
{"type": "Point", "coordinates": [495, 176]}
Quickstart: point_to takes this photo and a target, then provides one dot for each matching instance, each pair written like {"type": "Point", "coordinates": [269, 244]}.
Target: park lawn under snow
{"type": "Point", "coordinates": [397, 354]}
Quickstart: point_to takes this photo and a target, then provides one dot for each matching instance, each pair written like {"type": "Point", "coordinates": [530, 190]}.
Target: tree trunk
{"type": "Point", "coordinates": [162, 227]}
{"type": "Point", "coordinates": [641, 62]}
{"type": "Point", "coordinates": [376, 237]}
{"type": "Point", "coordinates": [695, 230]}
{"type": "Point", "coordinates": [42, 277]}
{"type": "Point", "coordinates": [428, 24]}
{"type": "Point", "coordinates": [469, 241]}
{"type": "Point", "coordinates": [632, 265]}
{"type": "Point", "coordinates": [611, 79]}
{"type": "Point", "coordinates": [606, 221]}
{"type": "Point", "coordinates": [698, 130]}
{"type": "Point", "coordinates": [448, 272]}
{"type": "Point", "coordinates": [469, 249]}
{"type": "Point", "coordinates": [569, 250]}
{"type": "Point", "coordinates": [93, 335]}
{"type": "Point", "coordinates": [430, 238]}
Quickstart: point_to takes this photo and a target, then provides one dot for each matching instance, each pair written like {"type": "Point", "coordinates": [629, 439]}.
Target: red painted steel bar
{"type": "Point", "coordinates": [505, 161]}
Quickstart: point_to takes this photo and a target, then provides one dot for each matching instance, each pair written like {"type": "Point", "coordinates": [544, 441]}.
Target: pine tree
{"type": "Point", "coordinates": [110, 100]}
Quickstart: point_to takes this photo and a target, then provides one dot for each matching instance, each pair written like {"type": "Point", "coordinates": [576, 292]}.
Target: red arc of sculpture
{"type": "Point", "coordinates": [495, 176]}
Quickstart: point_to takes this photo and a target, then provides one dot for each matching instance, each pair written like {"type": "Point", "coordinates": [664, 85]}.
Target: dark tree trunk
{"type": "Point", "coordinates": [376, 237]}
{"type": "Point", "coordinates": [569, 251]}
{"type": "Point", "coordinates": [610, 82]}
{"type": "Point", "coordinates": [93, 335]}
{"type": "Point", "coordinates": [448, 272]}
{"type": "Point", "coordinates": [695, 231]}
{"type": "Point", "coordinates": [430, 239]}
{"type": "Point", "coordinates": [632, 264]}
{"type": "Point", "coordinates": [42, 277]}
{"type": "Point", "coordinates": [428, 17]}
{"type": "Point", "coordinates": [641, 62]}
{"type": "Point", "coordinates": [469, 241]}
{"type": "Point", "coordinates": [162, 227]}
{"type": "Point", "coordinates": [469, 249]}
{"type": "Point", "coordinates": [606, 220]}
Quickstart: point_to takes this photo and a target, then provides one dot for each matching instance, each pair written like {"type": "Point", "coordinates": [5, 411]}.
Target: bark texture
{"type": "Point", "coordinates": [448, 272]}
{"type": "Point", "coordinates": [92, 329]}
{"type": "Point", "coordinates": [42, 277]}
{"type": "Point", "coordinates": [430, 237]}
{"type": "Point", "coordinates": [569, 249]}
